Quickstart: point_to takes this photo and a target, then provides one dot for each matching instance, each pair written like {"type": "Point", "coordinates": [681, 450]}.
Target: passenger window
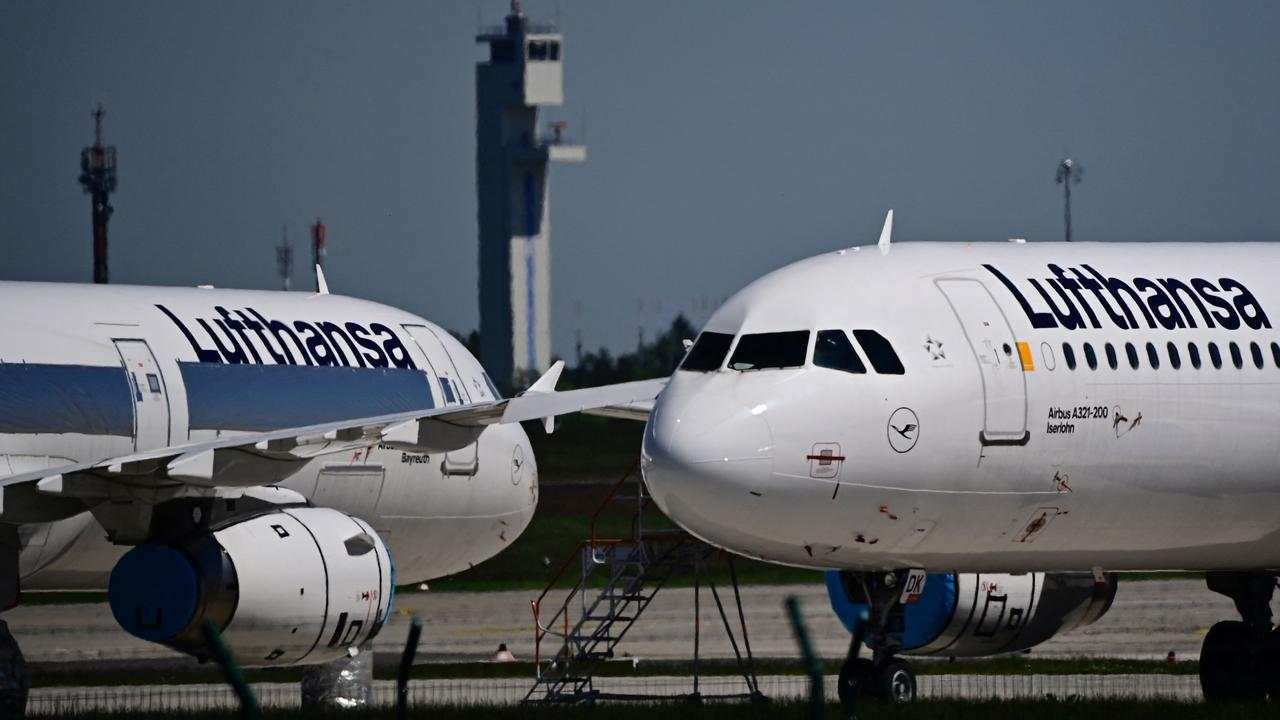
{"type": "Point", "coordinates": [1193, 352]}
{"type": "Point", "coordinates": [708, 353]}
{"type": "Point", "coordinates": [1090, 357]}
{"type": "Point", "coordinates": [833, 350]}
{"type": "Point", "coordinates": [1132, 353]}
{"type": "Point", "coordinates": [764, 351]}
{"type": "Point", "coordinates": [1214, 356]}
{"type": "Point", "coordinates": [1111, 356]}
{"type": "Point", "coordinates": [1236, 358]}
{"type": "Point", "coordinates": [1256, 352]}
{"type": "Point", "coordinates": [879, 352]}
{"type": "Point", "coordinates": [1069, 355]}
{"type": "Point", "coordinates": [1153, 357]}
{"type": "Point", "coordinates": [1275, 353]}
{"type": "Point", "coordinates": [1174, 359]}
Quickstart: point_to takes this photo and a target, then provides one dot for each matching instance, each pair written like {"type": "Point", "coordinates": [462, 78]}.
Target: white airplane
{"type": "Point", "coordinates": [965, 409]}
{"type": "Point", "coordinates": [277, 461]}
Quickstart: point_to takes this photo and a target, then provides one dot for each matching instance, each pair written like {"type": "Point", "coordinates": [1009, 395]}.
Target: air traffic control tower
{"type": "Point", "coordinates": [524, 72]}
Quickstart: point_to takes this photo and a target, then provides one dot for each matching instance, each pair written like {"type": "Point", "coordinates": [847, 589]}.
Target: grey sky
{"type": "Point", "coordinates": [725, 139]}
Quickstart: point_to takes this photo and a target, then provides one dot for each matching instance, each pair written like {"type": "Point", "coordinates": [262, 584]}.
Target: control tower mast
{"type": "Point", "coordinates": [98, 176]}
{"type": "Point", "coordinates": [524, 72]}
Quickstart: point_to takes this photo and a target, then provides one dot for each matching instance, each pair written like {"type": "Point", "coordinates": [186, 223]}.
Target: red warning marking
{"type": "Point", "coordinates": [826, 458]}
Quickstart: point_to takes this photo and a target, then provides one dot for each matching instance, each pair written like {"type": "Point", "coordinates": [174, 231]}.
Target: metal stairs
{"type": "Point", "coordinates": [618, 578]}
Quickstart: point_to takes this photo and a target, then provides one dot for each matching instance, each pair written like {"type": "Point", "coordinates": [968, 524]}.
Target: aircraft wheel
{"type": "Point", "coordinates": [1231, 663]}
{"type": "Point", "coordinates": [896, 681]}
{"type": "Point", "coordinates": [855, 679]}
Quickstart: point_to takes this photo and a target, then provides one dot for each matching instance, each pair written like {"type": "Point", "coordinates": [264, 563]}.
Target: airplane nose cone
{"type": "Point", "coordinates": [707, 458]}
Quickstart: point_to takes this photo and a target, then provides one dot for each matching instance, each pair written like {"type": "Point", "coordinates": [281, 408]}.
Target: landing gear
{"type": "Point", "coordinates": [884, 675]}
{"type": "Point", "coordinates": [1240, 659]}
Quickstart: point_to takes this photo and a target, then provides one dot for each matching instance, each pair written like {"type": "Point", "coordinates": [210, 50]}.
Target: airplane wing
{"type": "Point", "coordinates": [258, 458]}
{"type": "Point", "coordinates": [638, 410]}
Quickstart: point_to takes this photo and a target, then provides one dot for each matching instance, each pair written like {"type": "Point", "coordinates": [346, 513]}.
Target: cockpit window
{"type": "Point", "coordinates": [770, 350]}
{"type": "Point", "coordinates": [879, 352]}
{"type": "Point", "coordinates": [707, 354]}
{"type": "Point", "coordinates": [833, 350]}
{"type": "Point", "coordinates": [493, 389]}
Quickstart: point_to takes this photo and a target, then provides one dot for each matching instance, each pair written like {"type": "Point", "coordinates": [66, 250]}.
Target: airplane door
{"type": "Point", "coordinates": [451, 390]}
{"type": "Point", "coordinates": [1004, 383]}
{"type": "Point", "coordinates": [150, 398]}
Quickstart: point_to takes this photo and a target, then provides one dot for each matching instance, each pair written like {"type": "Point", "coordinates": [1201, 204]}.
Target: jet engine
{"type": "Point", "coordinates": [978, 614]}
{"type": "Point", "coordinates": [291, 586]}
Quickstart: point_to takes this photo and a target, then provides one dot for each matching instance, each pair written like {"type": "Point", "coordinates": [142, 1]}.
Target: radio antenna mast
{"type": "Point", "coordinates": [1069, 171]}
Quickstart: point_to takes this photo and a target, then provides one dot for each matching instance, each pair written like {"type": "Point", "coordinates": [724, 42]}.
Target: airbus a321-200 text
{"type": "Point", "coordinates": [1017, 420]}
{"type": "Point", "coordinates": [269, 463]}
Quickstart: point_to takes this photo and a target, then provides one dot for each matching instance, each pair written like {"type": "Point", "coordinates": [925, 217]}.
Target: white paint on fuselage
{"type": "Point", "coordinates": [1192, 486]}
{"type": "Point", "coordinates": [436, 523]}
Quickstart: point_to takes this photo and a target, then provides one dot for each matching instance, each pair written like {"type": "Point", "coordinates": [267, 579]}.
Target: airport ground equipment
{"type": "Point", "coordinates": [583, 630]}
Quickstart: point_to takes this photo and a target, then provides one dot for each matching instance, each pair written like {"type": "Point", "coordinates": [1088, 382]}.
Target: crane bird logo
{"type": "Point", "coordinates": [903, 430]}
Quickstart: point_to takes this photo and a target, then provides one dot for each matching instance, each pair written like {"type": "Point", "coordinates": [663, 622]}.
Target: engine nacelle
{"type": "Point", "coordinates": [978, 614]}
{"type": "Point", "coordinates": [300, 585]}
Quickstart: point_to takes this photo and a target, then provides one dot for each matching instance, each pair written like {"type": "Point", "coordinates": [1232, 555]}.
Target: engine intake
{"type": "Point", "coordinates": [292, 586]}
{"type": "Point", "coordinates": [979, 614]}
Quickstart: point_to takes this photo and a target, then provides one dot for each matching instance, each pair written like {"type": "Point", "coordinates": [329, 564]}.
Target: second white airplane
{"type": "Point", "coordinates": [994, 408]}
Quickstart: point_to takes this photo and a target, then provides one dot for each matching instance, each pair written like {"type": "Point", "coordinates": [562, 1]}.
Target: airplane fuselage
{"type": "Point", "coordinates": [1057, 407]}
{"type": "Point", "coordinates": [89, 372]}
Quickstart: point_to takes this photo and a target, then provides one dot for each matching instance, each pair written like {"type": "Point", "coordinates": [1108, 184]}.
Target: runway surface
{"type": "Point", "coordinates": [1148, 620]}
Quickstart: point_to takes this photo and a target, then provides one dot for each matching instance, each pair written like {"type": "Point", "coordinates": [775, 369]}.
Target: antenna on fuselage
{"type": "Point", "coordinates": [886, 233]}
{"type": "Point", "coordinates": [322, 285]}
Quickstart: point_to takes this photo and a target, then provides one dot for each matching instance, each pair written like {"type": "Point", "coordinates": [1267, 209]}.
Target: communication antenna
{"type": "Point", "coordinates": [284, 258]}
{"type": "Point", "coordinates": [98, 178]}
{"type": "Point", "coordinates": [1069, 171]}
{"type": "Point", "coordinates": [319, 238]}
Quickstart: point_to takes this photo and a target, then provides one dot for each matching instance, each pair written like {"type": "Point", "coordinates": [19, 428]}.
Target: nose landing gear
{"type": "Point", "coordinates": [1240, 659]}
{"type": "Point", "coordinates": [883, 675]}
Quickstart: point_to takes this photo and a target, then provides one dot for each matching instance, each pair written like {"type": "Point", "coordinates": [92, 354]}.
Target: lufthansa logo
{"type": "Point", "coordinates": [517, 465]}
{"type": "Point", "coordinates": [903, 430]}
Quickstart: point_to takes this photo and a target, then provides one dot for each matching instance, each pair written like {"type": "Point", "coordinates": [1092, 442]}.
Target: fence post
{"type": "Point", "coordinates": [231, 672]}
{"type": "Point", "coordinates": [817, 696]}
{"type": "Point", "coordinates": [406, 667]}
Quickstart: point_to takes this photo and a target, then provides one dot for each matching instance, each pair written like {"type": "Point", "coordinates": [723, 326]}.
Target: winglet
{"type": "Point", "coordinates": [547, 384]}
{"type": "Point", "coordinates": [886, 232]}
{"type": "Point", "coordinates": [322, 286]}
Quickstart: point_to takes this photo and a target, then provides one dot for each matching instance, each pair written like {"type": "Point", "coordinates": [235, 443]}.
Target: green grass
{"type": "Point", "coordinates": [1048, 709]}
{"type": "Point", "coordinates": [585, 447]}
